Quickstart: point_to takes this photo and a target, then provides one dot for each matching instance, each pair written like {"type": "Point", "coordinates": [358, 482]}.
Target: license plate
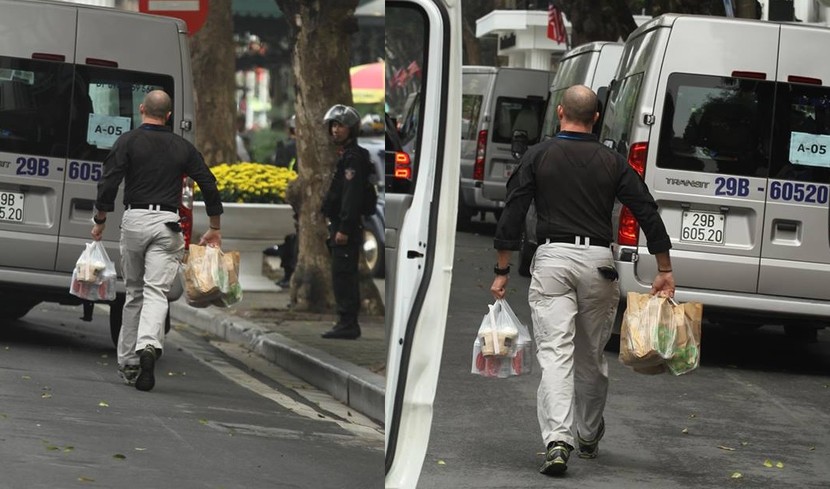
{"type": "Point", "coordinates": [508, 170]}
{"type": "Point", "coordinates": [702, 227]}
{"type": "Point", "coordinates": [11, 206]}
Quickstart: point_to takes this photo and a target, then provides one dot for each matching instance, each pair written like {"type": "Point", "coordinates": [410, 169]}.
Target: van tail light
{"type": "Point", "coordinates": [757, 75]}
{"type": "Point", "coordinates": [808, 80]}
{"type": "Point", "coordinates": [628, 233]}
{"type": "Point", "coordinates": [186, 210]}
{"type": "Point", "coordinates": [403, 165]}
{"type": "Point", "coordinates": [49, 57]}
{"type": "Point", "coordinates": [481, 150]}
{"type": "Point", "coordinates": [629, 230]}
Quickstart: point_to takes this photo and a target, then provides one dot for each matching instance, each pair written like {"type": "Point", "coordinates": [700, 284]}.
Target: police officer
{"type": "Point", "coordinates": [573, 290]}
{"type": "Point", "coordinates": [151, 160]}
{"type": "Point", "coordinates": [343, 206]}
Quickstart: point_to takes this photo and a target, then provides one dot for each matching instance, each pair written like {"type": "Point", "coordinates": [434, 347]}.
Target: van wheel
{"type": "Point", "coordinates": [15, 307]}
{"type": "Point", "coordinates": [373, 252]}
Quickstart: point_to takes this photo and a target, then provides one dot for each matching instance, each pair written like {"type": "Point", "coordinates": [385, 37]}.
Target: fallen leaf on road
{"type": "Point", "coordinates": [203, 421]}
{"type": "Point", "coordinates": [780, 465]}
{"type": "Point", "coordinates": [768, 463]}
{"type": "Point", "coordinates": [737, 475]}
{"type": "Point", "coordinates": [120, 456]}
{"type": "Point", "coordinates": [693, 415]}
{"type": "Point", "coordinates": [685, 431]}
{"type": "Point", "coordinates": [103, 404]}
{"type": "Point", "coordinates": [86, 479]}
{"type": "Point", "coordinates": [45, 395]}
{"type": "Point", "coordinates": [722, 447]}
{"type": "Point", "coordinates": [26, 377]}
{"type": "Point", "coordinates": [441, 462]}
{"type": "Point", "coordinates": [812, 449]}
{"type": "Point", "coordinates": [140, 449]}
{"type": "Point", "coordinates": [68, 448]}
{"type": "Point", "coordinates": [52, 447]}
{"type": "Point", "coordinates": [744, 443]}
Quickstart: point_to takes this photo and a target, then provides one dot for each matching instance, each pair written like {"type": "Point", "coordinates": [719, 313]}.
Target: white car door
{"type": "Point", "coordinates": [424, 51]}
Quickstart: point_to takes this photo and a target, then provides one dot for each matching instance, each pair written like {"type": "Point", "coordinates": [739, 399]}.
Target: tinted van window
{"type": "Point", "coordinates": [470, 111]}
{"type": "Point", "coordinates": [406, 32]}
{"type": "Point", "coordinates": [716, 125]}
{"type": "Point", "coordinates": [34, 106]}
{"type": "Point", "coordinates": [106, 105]}
{"type": "Point", "coordinates": [620, 115]}
{"type": "Point", "coordinates": [517, 114]}
{"type": "Point", "coordinates": [801, 147]}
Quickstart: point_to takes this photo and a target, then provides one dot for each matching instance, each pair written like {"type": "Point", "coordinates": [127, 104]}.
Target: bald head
{"type": "Point", "coordinates": [579, 104]}
{"type": "Point", "coordinates": [157, 104]}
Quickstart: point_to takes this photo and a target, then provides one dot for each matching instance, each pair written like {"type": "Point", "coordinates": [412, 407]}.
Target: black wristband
{"type": "Point", "coordinates": [501, 271]}
{"type": "Point", "coordinates": [215, 229]}
{"type": "Point", "coordinates": [98, 221]}
{"type": "Point", "coordinates": [664, 271]}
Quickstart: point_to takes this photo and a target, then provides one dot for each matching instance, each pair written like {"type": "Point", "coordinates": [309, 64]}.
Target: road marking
{"type": "Point", "coordinates": [344, 417]}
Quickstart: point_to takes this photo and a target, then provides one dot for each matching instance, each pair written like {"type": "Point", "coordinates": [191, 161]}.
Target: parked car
{"type": "Point", "coordinates": [733, 145]}
{"type": "Point", "coordinates": [495, 102]}
{"type": "Point", "coordinates": [67, 92]}
{"type": "Point", "coordinates": [592, 65]}
{"type": "Point", "coordinates": [373, 234]}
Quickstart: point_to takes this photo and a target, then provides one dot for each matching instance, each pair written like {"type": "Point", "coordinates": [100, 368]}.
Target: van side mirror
{"type": "Point", "coordinates": [602, 99]}
{"type": "Point", "coordinates": [518, 144]}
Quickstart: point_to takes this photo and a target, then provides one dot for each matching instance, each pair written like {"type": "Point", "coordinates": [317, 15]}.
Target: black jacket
{"type": "Point", "coordinates": [343, 203]}
{"type": "Point", "coordinates": [575, 180]}
{"type": "Point", "coordinates": [151, 160]}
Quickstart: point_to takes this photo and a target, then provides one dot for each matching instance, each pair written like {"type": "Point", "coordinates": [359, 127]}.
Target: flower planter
{"type": "Point", "coordinates": [268, 223]}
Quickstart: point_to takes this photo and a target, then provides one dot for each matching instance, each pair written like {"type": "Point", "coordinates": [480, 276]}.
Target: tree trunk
{"type": "Point", "coordinates": [212, 59]}
{"type": "Point", "coordinates": [321, 31]}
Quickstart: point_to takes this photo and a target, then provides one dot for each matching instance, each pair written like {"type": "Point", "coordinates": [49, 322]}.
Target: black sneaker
{"type": "Point", "coordinates": [128, 373]}
{"type": "Point", "coordinates": [147, 360]}
{"type": "Point", "coordinates": [343, 331]}
{"type": "Point", "coordinates": [590, 449]}
{"type": "Point", "coordinates": [556, 458]}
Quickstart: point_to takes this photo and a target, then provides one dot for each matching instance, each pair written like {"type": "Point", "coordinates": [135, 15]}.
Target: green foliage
{"type": "Point", "coordinates": [262, 144]}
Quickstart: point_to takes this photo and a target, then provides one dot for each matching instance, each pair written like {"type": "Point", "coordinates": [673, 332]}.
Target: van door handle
{"type": "Point", "coordinates": [414, 254]}
{"type": "Point", "coordinates": [790, 227]}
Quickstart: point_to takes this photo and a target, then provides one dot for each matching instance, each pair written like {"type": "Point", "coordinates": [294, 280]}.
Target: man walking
{"type": "Point", "coordinates": [573, 290]}
{"type": "Point", "coordinates": [151, 160]}
{"type": "Point", "coordinates": [343, 206]}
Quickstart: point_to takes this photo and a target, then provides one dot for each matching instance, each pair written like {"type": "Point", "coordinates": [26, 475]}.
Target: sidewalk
{"type": "Point", "coordinates": [351, 371]}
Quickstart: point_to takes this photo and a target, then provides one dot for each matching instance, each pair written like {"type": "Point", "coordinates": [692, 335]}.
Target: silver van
{"type": "Point", "coordinates": [728, 121]}
{"type": "Point", "coordinates": [71, 80]}
{"type": "Point", "coordinates": [495, 102]}
{"type": "Point", "coordinates": [592, 65]}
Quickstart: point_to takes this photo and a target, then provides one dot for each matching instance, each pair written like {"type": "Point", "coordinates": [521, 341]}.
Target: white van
{"type": "Point", "coordinates": [71, 80]}
{"type": "Point", "coordinates": [495, 102]}
{"type": "Point", "coordinates": [728, 121]}
{"type": "Point", "coordinates": [592, 65]}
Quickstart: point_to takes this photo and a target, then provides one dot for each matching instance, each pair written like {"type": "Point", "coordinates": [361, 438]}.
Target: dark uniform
{"type": "Point", "coordinates": [343, 206]}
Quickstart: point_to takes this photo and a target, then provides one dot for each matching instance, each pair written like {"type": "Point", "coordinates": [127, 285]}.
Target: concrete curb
{"type": "Point", "coordinates": [355, 386]}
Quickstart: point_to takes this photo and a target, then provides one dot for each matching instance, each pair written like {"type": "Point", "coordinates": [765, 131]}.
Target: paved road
{"type": "Point", "coordinates": [757, 397]}
{"type": "Point", "coordinates": [219, 417]}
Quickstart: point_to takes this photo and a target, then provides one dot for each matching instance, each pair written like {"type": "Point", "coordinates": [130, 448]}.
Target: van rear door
{"type": "Point", "coordinates": [795, 257]}
{"type": "Point", "coordinates": [36, 52]}
{"type": "Point", "coordinates": [421, 226]}
{"type": "Point", "coordinates": [712, 123]}
{"type": "Point", "coordinates": [111, 80]}
{"type": "Point", "coordinates": [518, 103]}
{"type": "Point", "coordinates": [477, 84]}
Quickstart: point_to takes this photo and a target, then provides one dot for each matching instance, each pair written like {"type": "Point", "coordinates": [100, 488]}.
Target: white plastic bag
{"type": "Point", "coordinates": [94, 276]}
{"type": "Point", "coordinates": [502, 347]}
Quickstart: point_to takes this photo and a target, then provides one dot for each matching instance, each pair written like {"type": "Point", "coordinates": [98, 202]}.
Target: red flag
{"type": "Point", "coordinates": [556, 24]}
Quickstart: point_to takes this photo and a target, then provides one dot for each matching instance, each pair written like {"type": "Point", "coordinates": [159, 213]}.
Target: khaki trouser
{"type": "Point", "coordinates": [573, 309]}
{"type": "Point", "coordinates": [150, 256]}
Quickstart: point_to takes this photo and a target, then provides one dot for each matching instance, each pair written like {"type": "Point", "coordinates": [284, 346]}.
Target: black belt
{"type": "Point", "coordinates": [153, 207]}
{"type": "Point", "coordinates": [577, 240]}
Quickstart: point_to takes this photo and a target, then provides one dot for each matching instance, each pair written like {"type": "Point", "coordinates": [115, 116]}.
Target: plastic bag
{"type": "Point", "coordinates": [212, 277]}
{"type": "Point", "coordinates": [658, 334]}
{"type": "Point", "coordinates": [502, 347]}
{"type": "Point", "coordinates": [94, 276]}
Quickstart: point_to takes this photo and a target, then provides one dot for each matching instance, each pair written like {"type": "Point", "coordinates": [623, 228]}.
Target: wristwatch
{"type": "Point", "coordinates": [501, 271]}
{"type": "Point", "coordinates": [98, 221]}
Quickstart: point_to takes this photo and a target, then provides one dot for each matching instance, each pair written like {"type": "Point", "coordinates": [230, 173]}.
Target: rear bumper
{"type": "Point", "coordinates": [472, 197]}
{"type": "Point", "coordinates": [41, 285]}
{"type": "Point", "coordinates": [735, 305]}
